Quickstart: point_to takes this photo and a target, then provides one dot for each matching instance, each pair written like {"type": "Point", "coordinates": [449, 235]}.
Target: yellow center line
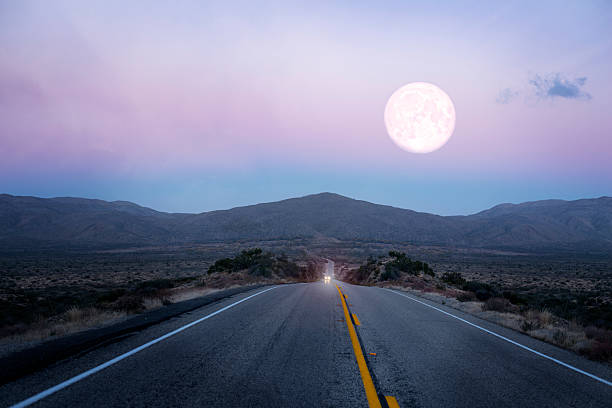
{"type": "Point", "coordinates": [368, 384]}
{"type": "Point", "coordinates": [391, 402]}
{"type": "Point", "coordinates": [356, 320]}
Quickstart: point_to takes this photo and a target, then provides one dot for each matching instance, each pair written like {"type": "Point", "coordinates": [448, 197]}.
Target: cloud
{"type": "Point", "coordinates": [551, 86]}
{"type": "Point", "coordinates": [506, 95]}
{"type": "Point", "coordinates": [556, 86]}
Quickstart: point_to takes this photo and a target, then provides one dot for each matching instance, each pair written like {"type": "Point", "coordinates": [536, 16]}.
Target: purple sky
{"type": "Point", "coordinates": [201, 105]}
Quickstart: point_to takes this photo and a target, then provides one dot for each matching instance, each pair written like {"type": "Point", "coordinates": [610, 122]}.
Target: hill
{"type": "Point", "coordinates": [31, 222]}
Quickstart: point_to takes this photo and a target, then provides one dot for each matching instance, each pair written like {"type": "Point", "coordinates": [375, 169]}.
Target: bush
{"type": "Point", "coordinates": [599, 350]}
{"type": "Point", "coordinates": [389, 274]}
{"type": "Point", "coordinates": [466, 297]}
{"type": "Point", "coordinates": [513, 297]}
{"type": "Point", "coordinates": [483, 291]}
{"type": "Point", "coordinates": [535, 319]}
{"type": "Point", "coordinates": [260, 270]}
{"type": "Point", "coordinates": [247, 259]}
{"type": "Point", "coordinates": [110, 296]}
{"type": "Point", "coordinates": [560, 336]}
{"type": "Point", "coordinates": [483, 295]}
{"type": "Point", "coordinates": [402, 263]}
{"type": "Point", "coordinates": [527, 325]}
{"type": "Point", "coordinates": [454, 278]}
{"type": "Point", "coordinates": [597, 333]}
{"type": "Point", "coordinates": [130, 303]}
{"type": "Point", "coordinates": [371, 268]}
{"type": "Point", "coordinates": [498, 304]}
{"type": "Point", "coordinates": [258, 263]}
{"type": "Point", "coordinates": [222, 265]}
{"type": "Point", "coordinates": [155, 284]}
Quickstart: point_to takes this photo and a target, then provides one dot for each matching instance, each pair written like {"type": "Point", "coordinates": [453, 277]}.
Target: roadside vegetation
{"type": "Point", "coordinates": [256, 262]}
{"type": "Point", "coordinates": [394, 267]}
{"type": "Point", "coordinates": [36, 312]}
{"type": "Point", "coordinates": [573, 321]}
{"type": "Point", "coordinates": [32, 315]}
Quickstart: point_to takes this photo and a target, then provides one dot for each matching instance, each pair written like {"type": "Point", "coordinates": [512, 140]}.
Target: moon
{"type": "Point", "coordinates": [420, 117]}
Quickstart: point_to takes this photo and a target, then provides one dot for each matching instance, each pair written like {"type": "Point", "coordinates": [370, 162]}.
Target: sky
{"type": "Point", "coordinates": [193, 106]}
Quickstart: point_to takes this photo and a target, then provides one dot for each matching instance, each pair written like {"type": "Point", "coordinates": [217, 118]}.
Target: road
{"type": "Point", "coordinates": [290, 346]}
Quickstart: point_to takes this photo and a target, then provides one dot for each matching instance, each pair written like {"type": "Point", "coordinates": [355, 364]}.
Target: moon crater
{"type": "Point", "coordinates": [420, 117]}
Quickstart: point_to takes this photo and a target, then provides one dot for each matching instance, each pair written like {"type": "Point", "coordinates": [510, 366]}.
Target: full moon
{"type": "Point", "coordinates": [420, 117]}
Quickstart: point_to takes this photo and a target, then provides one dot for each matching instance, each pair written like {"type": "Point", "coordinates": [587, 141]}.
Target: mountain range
{"type": "Point", "coordinates": [32, 222]}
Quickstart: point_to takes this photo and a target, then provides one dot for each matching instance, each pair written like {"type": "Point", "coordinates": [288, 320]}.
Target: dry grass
{"type": "Point", "coordinates": [539, 318]}
{"type": "Point", "coordinates": [182, 294]}
{"type": "Point", "coordinates": [497, 304]}
{"type": "Point", "coordinates": [76, 319]}
{"type": "Point", "coordinates": [152, 303]}
{"type": "Point", "coordinates": [562, 337]}
{"type": "Point", "coordinates": [72, 321]}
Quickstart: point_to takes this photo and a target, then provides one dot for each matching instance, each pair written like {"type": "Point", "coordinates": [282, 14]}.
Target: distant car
{"type": "Point", "coordinates": [327, 278]}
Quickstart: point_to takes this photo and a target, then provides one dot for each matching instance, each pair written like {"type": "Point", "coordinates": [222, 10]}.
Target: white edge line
{"type": "Point", "coordinates": [571, 367]}
{"type": "Point", "coordinates": [77, 378]}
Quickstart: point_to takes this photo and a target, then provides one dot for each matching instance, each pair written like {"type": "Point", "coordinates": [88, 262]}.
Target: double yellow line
{"type": "Point", "coordinates": [366, 378]}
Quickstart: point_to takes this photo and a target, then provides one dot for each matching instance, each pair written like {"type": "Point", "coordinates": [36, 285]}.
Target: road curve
{"type": "Point", "coordinates": [291, 347]}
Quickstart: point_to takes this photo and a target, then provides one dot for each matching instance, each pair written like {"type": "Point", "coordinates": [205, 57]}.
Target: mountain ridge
{"type": "Point", "coordinates": [33, 222]}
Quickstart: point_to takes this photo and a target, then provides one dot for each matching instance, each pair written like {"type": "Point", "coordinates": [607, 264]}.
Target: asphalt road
{"type": "Point", "coordinates": [290, 347]}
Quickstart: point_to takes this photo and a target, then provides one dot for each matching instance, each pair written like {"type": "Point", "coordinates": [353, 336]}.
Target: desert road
{"type": "Point", "coordinates": [291, 346]}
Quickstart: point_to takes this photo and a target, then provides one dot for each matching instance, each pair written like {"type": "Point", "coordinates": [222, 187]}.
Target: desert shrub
{"type": "Point", "coordinates": [560, 337]}
{"type": "Point", "coordinates": [601, 343]}
{"type": "Point", "coordinates": [371, 267]}
{"type": "Point", "coordinates": [110, 296]}
{"type": "Point", "coordinates": [155, 284]}
{"type": "Point", "coordinates": [513, 297]}
{"type": "Point", "coordinates": [402, 263]}
{"type": "Point", "coordinates": [544, 317]}
{"type": "Point", "coordinates": [151, 303]}
{"type": "Point", "coordinates": [535, 319]}
{"type": "Point", "coordinates": [222, 265]}
{"type": "Point", "coordinates": [454, 278]}
{"type": "Point", "coordinates": [466, 297]}
{"type": "Point", "coordinates": [482, 294]}
{"type": "Point", "coordinates": [75, 314]}
{"type": "Point", "coordinates": [599, 350]}
{"type": "Point", "coordinates": [418, 284]}
{"type": "Point", "coordinates": [129, 303]}
{"type": "Point", "coordinates": [260, 270]}
{"type": "Point", "coordinates": [571, 305]}
{"type": "Point", "coordinates": [475, 285]}
{"type": "Point", "coordinates": [293, 270]}
{"type": "Point", "coordinates": [483, 291]}
{"type": "Point", "coordinates": [308, 273]}
{"type": "Point", "coordinates": [528, 325]}
{"type": "Point", "coordinates": [598, 333]}
{"type": "Point", "coordinates": [389, 274]}
{"type": "Point", "coordinates": [258, 263]}
{"type": "Point", "coordinates": [498, 304]}
{"type": "Point", "coordinates": [247, 259]}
